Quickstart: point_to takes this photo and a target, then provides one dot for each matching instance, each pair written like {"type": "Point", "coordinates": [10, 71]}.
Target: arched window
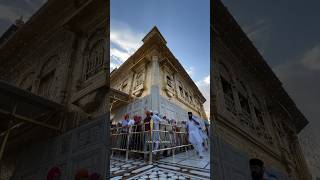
{"type": "Point", "coordinates": [169, 81]}
{"type": "Point", "coordinates": [227, 88]}
{"type": "Point", "coordinates": [94, 62]}
{"type": "Point", "coordinates": [257, 109]}
{"type": "Point", "coordinates": [47, 75]}
{"type": "Point", "coordinates": [243, 98]}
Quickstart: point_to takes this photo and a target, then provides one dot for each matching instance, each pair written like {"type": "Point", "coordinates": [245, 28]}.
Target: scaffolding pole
{"type": "Point", "coordinates": [4, 143]}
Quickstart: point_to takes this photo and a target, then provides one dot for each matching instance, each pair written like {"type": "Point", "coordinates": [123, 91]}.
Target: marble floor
{"type": "Point", "coordinates": [189, 159]}
{"type": "Point", "coordinates": [186, 165]}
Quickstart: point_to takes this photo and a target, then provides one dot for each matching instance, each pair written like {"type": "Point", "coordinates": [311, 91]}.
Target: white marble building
{"type": "Point", "coordinates": [155, 80]}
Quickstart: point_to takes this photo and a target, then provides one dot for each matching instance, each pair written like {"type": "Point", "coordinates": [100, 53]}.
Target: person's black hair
{"type": "Point", "coordinates": [189, 112]}
{"type": "Point", "coordinates": [257, 162]}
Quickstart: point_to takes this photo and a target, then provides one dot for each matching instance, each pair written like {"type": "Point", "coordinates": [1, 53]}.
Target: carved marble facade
{"type": "Point", "coordinates": [68, 67]}
{"type": "Point", "coordinates": [63, 58]}
{"type": "Point", "coordinates": [253, 114]}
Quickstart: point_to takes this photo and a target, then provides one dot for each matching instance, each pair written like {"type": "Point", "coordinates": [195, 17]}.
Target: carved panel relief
{"type": "Point", "coordinates": [139, 81]}
{"type": "Point", "coordinates": [180, 89]}
{"type": "Point", "coordinates": [226, 83]}
{"type": "Point", "coordinates": [94, 60]}
{"type": "Point", "coordinates": [168, 81]}
{"type": "Point", "coordinates": [47, 78]}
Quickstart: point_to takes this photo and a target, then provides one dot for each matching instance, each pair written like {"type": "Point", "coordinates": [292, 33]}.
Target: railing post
{"type": "Point", "coordinates": [151, 142]}
{"type": "Point", "coordinates": [128, 141]}
{"type": "Point", "coordinates": [173, 154]}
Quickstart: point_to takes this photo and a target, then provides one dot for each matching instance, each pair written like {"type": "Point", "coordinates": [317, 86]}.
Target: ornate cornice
{"type": "Point", "coordinates": [235, 128]}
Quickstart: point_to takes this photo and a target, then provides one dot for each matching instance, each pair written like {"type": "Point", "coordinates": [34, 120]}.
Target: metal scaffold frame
{"type": "Point", "coordinates": [19, 107]}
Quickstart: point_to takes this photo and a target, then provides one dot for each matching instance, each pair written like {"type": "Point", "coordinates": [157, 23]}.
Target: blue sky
{"type": "Point", "coordinates": [185, 24]}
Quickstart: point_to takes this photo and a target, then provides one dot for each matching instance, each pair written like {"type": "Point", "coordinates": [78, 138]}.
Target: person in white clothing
{"type": "Point", "coordinates": [203, 133]}
{"type": "Point", "coordinates": [130, 124]}
{"type": "Point", "coordinates": [194, 136]}
{"type": "Point", "coordinates": [155, 134]}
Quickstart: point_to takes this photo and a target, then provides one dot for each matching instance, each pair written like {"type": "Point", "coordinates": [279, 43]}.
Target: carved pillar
{"type": "Point", "coordinates": [155, 81]}
{"type": "Point", "coordinates": [301, 164]}
{"type": "Point", "coordinates": [63, 74]}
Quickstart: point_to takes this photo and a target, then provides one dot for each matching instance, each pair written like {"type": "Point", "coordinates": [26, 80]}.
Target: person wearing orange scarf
{"type": "Point", "coordinates": [82, 174]}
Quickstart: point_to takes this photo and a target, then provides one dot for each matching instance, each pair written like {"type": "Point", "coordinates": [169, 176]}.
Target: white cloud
{"type": "Point", "coordinates": [256, 30]}
{"type": "Point", "coordinates": [311, 59]}
{"type": "Point", "coordinates": [204, 87]}
{"type": "Point", "coordinates": [207, 79]}
{"type": "Point", "coordinates": [118, 54]}
{"type": "Point", "coordinates": [124, 41]}
{"type": "Point", "coordinates": [190, 70]}
{"type": "Point", "coordinates": [258, 34]}
{"type": "Point", "coordinates": [203, 82]}
{"type": "Point", "coordinates": [113, 66]}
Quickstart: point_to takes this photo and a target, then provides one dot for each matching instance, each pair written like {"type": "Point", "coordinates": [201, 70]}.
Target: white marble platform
{"type": "Point", "coordinates": [164, 174]}
{"type": "Point", "coordinates": [185, 165]}
{"type": "Point", "coordinates": [189, 159]}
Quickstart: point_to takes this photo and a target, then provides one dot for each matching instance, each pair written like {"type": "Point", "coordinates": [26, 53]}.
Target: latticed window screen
{"type": "Point", "coordinates": [259, 116]}
{"type": "Point", "coordinates": [228, 95]}
{"type": "Point", "coordinates": [94, 62]}
{"type": "Point", "coordinates": [169, 81]}
{"type": "Point", "coordinates": [244, 105]}
{"type": "Point", "coordinates": [261, 127]}
{"type": "Point", "coordinates": [139, 79]}
{"type": "Point", "coordinates": [181, 90]}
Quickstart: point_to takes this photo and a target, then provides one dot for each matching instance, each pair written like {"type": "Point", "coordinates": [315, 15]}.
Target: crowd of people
{"type": "Point", "coordinates": [165, 132]}
{"type": "Point", "coordinates": [81, 174]}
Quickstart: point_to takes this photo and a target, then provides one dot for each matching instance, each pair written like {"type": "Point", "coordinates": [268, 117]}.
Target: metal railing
{"type": "Point", "coordinates": [148, 139]}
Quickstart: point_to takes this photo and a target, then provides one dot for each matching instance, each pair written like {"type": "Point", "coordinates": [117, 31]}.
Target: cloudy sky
{"type": "Point", "coordinates": [183, 23]}
{"type": "Point", "coordinates": [11, 10]}
{"type": "Point", "coordinates": [287, 34]}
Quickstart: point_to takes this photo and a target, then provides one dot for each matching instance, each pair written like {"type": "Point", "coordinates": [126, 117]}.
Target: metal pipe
{"type": "Point", "coordinates": [114, 97]}
{"type": "Point", "coordinates": [18, 117]}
